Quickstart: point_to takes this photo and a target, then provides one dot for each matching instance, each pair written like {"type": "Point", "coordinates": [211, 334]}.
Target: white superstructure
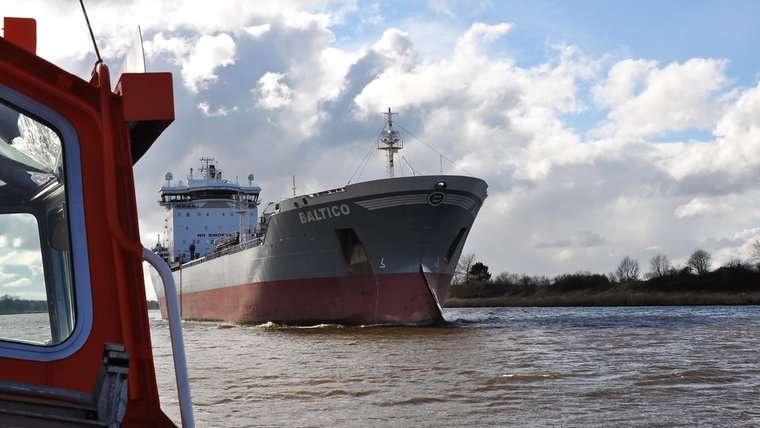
{"type": "Point", "coordinates": [207, 211]}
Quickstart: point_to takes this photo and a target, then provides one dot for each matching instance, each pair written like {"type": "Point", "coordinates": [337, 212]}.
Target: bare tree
{"type": "Point", "coordinates": [700, 261]}
{"type": "Point", "coordinates": [756, 251]}
{"type": "Point", "coordinates": [627, 270]}
{"type": "Point", "coordinates": [660, 266]}
{"type": "Point", "coordinates": [507, 278]}
{"type": "Point", "coordinates": [462, 271]}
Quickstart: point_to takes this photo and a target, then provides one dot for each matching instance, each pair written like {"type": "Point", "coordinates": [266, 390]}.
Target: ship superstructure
{"type": "Point", "coordinates": [207, 213]}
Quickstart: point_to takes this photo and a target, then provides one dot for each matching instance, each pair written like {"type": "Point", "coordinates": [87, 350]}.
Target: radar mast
{"type": "Point", "coordinates": [390, 142]}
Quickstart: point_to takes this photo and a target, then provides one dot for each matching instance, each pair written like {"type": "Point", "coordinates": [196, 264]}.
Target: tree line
{"type": "Point", "coordinates": [694, 283]}
{"type": "Point", "coordinates": [13, 305]}
{"type": "Point", "coordinates": [699, 262]}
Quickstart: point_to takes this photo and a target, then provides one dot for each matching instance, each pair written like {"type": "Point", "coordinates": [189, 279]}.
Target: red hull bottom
{"type": "Point", "coordinates": [351, 300]}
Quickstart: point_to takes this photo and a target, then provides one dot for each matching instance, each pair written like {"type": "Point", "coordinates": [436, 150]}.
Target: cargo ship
{"type": "Point", "coordinates": [375, 252]}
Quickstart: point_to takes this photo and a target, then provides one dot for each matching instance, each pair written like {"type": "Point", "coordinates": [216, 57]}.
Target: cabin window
{"type": "Point", "coordinates": [38, 304]}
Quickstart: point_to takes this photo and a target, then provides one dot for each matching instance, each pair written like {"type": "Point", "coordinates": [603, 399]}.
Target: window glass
{"type": "Point", "coordinates": [36, 286]}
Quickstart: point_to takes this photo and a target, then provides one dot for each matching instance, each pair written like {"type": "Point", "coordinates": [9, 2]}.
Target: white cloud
{"type": "Point", "coordinates": [17, 283]}
{"type": "Point", "coordinates": [258, 30]}
{"type": "Point", "coordinates": [396, 47]}
{"type": "Point", "coordinates": [20, 269]}
{"type": "Point", "coordinates": [371, 15]}
{"type": "Point", "coordinates": [272, 92]}
{"type": "Point", "coordinates": [728, 161]}
{"type": "Point", "coordinates": [5, 276]}
{"type": "Point", "coordinates": [466, 72]}
{"type": "Point", "coordinates": [219, 111]}
{"type": "Point", "coordinates": [176, 46]}
{"type": "Point", "coordinates": [739, 133]}
{"type": "Point", "coordinates": [646, 101]}
{"type": "Point", "coordinates": [706, 206]}
{"type": "Point", "coordinates": [624, 80]}
{"type": "Point", "coordinates": [480, 32]}
{"type": "Point", "coordinates": [30, 259]}
{"type": "Point", "coordinates": [210, 52]}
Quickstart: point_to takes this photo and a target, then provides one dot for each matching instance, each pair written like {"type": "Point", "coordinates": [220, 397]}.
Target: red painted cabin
{"type": "Point", "coordinates": [67, 147]}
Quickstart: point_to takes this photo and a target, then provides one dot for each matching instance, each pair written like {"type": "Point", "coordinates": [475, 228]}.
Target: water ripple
{"type": "Point", "coordinates": [577, 367]}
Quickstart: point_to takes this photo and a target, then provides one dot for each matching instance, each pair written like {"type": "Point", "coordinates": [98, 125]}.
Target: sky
{"type": "Point", "coordinates": [604, 129]}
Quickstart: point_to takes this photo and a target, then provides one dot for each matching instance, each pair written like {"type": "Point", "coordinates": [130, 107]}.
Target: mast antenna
{"type": "Point", "coordinates": [92, 35]}
{"type": "Point", "coordinates": [390, 142]}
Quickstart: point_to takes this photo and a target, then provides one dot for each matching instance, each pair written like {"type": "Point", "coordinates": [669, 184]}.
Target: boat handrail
{"type": "Point", "coordinates": [255, 242]}
{"type": "Point", "coordinates": [175, 331]}
{"type": "Point", "coordinates": [227, 240]}
{"type": "Point", "coordinates": [326, 192]}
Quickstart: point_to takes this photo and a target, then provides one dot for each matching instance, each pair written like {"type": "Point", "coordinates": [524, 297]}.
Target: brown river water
{"type": "Point", "coordinates": [523, 367]}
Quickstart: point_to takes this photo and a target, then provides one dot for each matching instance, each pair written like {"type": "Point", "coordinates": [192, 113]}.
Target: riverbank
{"type": "Point", "coordinates": [736, 285]}
{"type": "Point", "coordinates": [608, 299]}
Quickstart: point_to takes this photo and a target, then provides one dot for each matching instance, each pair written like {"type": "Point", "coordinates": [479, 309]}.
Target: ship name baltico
{"type": "Point", "coordinates": [323, 213]}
